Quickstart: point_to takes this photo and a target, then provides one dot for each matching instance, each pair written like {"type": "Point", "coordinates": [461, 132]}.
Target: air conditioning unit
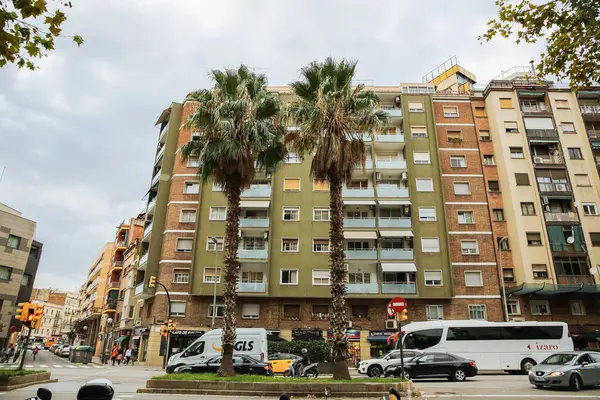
{"type": "Point", "coordinates": [346, 266]}
{"type": "Point", "coordinates": [391, 324]}
{"type": "Point", "coordinates": [266, 235]}
{"type": "Point", "coordinates": [538, 160]}
{"type": "Point", "coordinates": [404, 176]}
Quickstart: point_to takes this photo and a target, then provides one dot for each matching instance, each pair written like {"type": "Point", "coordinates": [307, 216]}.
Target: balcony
{"type": "Point", "coordinates": [575, 280]}
{"type": "Point", "coordinates": [252, 254]}
{"type": "Point", "coordinates": [395, 222]}
{"type": "Point", "coordinates": [111, 285]}
{"type": "Point", "coordinates": [593, 134]}
{"type": "Point", "coordinates": [406, 288]}
{"type": "Point", "coordinates": [366, 137]}
{"type": "Point", "coordinates": [351, 192]}
{"type": "Point", "coordinates": [254, 287]}
{"type": "Point", "coordinates": [397, 254]}
{"type": "Point", "coordinates": [143, 260]}
{"type": "Point", "coordinates": [160, 154]}
{"type": "Point", "coordinates": [156, 177]}
{"type": "Point", "coordinates": [542, 134]}
{"type": "Point", "coordinates": [540, 160]}
{"type": "Point", "coordinates": [561, 217]}
{"type": "Point", "coordinates": [362, 288]}
{"type": "Point", "coordinates": [368, 222]}
{"type": "Point", "coordinates": [590, 109]}
{"type": "Point", "coordinates": [151, 206]}
{"type": "Point", "coordinates": [389, 138]}
{"type": "Point", "coordinates": [147, 231]}
{"type": "Point", "coordinates": [361, 254]}
{"type": "Point", "coordinates": [368, 165]}
{"type": "Point", "coordinates": [393, 112]}
{"type": "Point", "coordinates": [121, 244]}
{"type": "Point", "coordinates": [391, 164]}
{"type": "Point", "coordinates": [117, 264]}
{"type": "Point", "coordinates": [139, 289]}
{"type": "Point", "coordinates": [111, 305]}
{"type": "Point", "coordinates": [254, 222]}
{"type": "Point", "coordinates": [257, 191]}
{"type": "Point", "coordinates": [554, 187]}
{"type": "Point", "coordinates": [391, 191]}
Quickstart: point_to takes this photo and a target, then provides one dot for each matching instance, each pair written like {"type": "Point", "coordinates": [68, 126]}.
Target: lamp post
{"type": "Point", "coordinates": [214, 305]}
{"type": "Point", "coordinates": [85, 328]}
{"type": "Point", "coordinates": [105, 339]}
{"type": "Point", "coordinates": [504, 300]}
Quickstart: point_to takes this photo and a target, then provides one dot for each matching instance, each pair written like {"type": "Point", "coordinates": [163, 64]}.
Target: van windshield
{"type": "Point", "coordinates": [194, 349]}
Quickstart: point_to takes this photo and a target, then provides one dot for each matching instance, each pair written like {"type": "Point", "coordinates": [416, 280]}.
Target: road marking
{"type": "Point", "coordinates": [57, 366]}
{"type": "Point", "coordinates": [72, 366]}
{"type": "Point", "coordinates": [43, 366]}
{"type": "Point", "coordinates": [85, 366]}
{"type": "Point", "coordinates": [29, 366]}
{"type": "Point", "coordinates": [98, 367]}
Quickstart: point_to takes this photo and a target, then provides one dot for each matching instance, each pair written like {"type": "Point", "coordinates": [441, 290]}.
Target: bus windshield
{"type": "Point", "coordinates": [422, 339]}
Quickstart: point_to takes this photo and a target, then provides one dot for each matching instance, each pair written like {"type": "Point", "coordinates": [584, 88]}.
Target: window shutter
{"type": "Point", "coordinates": [472, 279]}
{"type": "Point", "coordinates": [250, 310]}
{"type": "Point", "coordinates": [506, 103]}
{"type": "Point", "coordinates": [522, 179]}
{"type": "Point", "coordinates": [291, 184]}
{"type": "Point", "coordinates": [185, 244]}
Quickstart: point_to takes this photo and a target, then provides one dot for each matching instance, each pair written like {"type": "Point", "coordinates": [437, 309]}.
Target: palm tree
{"type": "Point", "coordinates": [240, 132]}
{"type": "Point", "coordinates": [332, 117]}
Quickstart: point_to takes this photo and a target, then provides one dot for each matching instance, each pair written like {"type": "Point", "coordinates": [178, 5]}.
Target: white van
{"type": "Point", "coordinates": [249, 341]}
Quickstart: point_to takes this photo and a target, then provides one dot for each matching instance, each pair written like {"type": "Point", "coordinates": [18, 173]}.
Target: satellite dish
{"type": "Point", "coordinates": [570, 240]}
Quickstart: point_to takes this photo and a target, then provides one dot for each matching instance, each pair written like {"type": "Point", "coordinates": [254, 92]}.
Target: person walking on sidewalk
{"type": "Point", "coordinates": [113, 354]}
{"type": "Point", "coordinates": [128, 356]}
{"type": "Point", "coordinates": [119, 356]}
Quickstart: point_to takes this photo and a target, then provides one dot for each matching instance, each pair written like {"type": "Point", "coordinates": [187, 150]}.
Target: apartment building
{"type": "Point", "coordinates": [16, 242]}
{"type": "Point", "coordinates": [28, 279]}
{"type": "Point", "coordinates": [61, 310]}
{"type": "Point", "coordinates": [548, 182]}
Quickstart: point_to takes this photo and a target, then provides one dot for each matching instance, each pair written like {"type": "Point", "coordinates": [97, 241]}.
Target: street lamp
{"type": "Point", "coordinates": [108, 324]}
{"type": "Point", "coordinates": [504, 300]}
{"type": "Point", "coordinates": [85, 328]}
{"type": "Point", "coordinates": [214, 306]}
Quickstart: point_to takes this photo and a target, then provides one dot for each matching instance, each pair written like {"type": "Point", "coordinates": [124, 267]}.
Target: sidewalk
{"type": "Point", "coordinates": [96, 360]}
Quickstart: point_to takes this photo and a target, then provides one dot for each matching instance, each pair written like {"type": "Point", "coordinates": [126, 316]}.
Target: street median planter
{"type": "Point", "coordinates": [16, 382]}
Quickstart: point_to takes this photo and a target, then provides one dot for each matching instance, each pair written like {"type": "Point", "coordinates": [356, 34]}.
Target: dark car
{"type": "Point", "coordinates": [241, 364]}
{"type": "Point", "coordinates": [435, 365]}
{"type": "Point", "coordinates": [573, 369]}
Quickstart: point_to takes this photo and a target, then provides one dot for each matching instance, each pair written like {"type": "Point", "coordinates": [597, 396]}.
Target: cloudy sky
{"type": "Point", "coordinates": [77, 136]}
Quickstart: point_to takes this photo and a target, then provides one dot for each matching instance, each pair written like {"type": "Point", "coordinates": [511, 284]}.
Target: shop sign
{"type": "Point", "coordinates": [381, 333]}
{"type": "Point", "coordinates": [139, 331]}
{"type": "Point", "coordinates": [187, 333]}
{"type": "Point", "coordinates": [274, 332]}
{"type": "Point", "coordinates": [353, 335]}
{"type": "Point", "coordinates": [309, 331]}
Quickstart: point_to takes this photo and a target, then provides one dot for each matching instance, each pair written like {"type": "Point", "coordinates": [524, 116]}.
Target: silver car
{"type": "Point", "coordinates": [574, 369]}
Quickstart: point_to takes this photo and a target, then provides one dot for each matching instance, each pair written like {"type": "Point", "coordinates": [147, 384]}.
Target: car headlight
{"type": "Point", "coordinates": [557, 373]}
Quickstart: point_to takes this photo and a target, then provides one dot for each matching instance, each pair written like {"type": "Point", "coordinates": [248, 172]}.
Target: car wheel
{"type": "Point", "coordinates": [526, 365]}
{"type": "Point", "coordinates": [374, 371]}
{"type": "Point", "coordinates": [575, 383]}
{"type": "Point", "coordinates": [312, 374]}
{"type": "Point", "coordinates": [459, 375]}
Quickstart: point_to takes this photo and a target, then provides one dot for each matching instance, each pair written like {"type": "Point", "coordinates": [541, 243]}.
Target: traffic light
{"type": "Point", "coordinates": [404, 315]}
{"type": "Point", "coordinates": [152, 281]}
{"type": "Point", "coordinates": [22, 310]}
{"type": "Point", "coordinates": [37, 316]}
{"type": "Point", "coordinates": [30, 315]}
{"type": "Point", "coordinates": [171, 325]}
{"type": "Point", "coordinates": [163, 331]}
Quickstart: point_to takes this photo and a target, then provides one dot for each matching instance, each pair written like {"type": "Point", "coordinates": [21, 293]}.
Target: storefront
{"type": "Point", "coordinates": [139, 339]}
{"type": "Point", "coordinates": [379, 342]}
{"type": "Point", "coordinates": [353, 337]}
{"type": "Point", "coordinates": [180, 339]}
{"type": "Point", "coordinates": [307, 334]}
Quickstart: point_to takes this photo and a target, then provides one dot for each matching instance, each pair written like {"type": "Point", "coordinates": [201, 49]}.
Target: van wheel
{"type": "Point", "coordinates": [374, 371]}
{"type": "Point", "coordinates": [575, 383]}
{"type": "Point", "coordinates": [526, 365]}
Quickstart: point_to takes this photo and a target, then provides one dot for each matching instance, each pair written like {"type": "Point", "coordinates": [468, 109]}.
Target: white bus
{"type": "Point", "coordinates": [508, 346]}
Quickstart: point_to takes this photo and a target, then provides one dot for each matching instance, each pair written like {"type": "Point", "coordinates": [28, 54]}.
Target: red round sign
{"type": "Point", "coordinates": [398, 304]}
{"type": "Point", "coordinates": [13, 329]}
{"type": "Point", "coordinates": [390, 310]}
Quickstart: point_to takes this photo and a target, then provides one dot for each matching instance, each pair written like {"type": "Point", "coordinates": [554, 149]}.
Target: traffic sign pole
{"type": "Point", "coordinates": [401, 346]}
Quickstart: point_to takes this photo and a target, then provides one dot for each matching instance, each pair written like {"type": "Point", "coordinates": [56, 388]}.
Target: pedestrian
{"type": "Point", "coordinates": [128, 356]}
{"type": "Point", "coordinates": [119, 356]}
{"type": "Point", "coordinates": [113, 354]}
{"type": "Point", "coordinates": [34, 352]}
{"type": "Point", "coordinates": [134, 354]}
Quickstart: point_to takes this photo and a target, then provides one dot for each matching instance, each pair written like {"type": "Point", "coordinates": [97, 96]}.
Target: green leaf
{"type": "Point", "coordinates": [78, 39]}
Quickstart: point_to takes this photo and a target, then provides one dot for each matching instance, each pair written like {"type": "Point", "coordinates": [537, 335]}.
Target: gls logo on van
{"type": "Point", "coordinates": [242, 345]}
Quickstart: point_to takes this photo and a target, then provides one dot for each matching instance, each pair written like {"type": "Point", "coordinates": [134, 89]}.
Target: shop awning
{"type": "Point", "coordinates": [394, 202]}
{"type": "Point", "coordinates": [359, 202]}
{"type": "Point", "coordinates": [120, 339]}
{"type": "Point", "coordinates": [595, 145]}
{"type": "Point", "coordinates": [548, 289]}
{"type": "Point", "coordinates": [398, 267]}
{"type": "Point", "coordinates": [396, 233]}
{"type": "Point", "coordinates": [254, 203]}
{"type": "Point", "coordinates": [378, 339]}
{"type": "Point", "coordinates": [360, 235]}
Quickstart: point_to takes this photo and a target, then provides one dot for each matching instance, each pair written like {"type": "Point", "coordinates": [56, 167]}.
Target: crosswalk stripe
{"type": "Point", "coordinates": [99, 367]}
{"type": "Point", "coordinates": [29, 366]}
{"type": "Point", "coordinates": [58, 366]}
{"type": "Point", "coordinates": [85, 366]}
{"type": "Point", "coordinates": [72, 366]}
{"type": "Point", "coordinates": [43, 366]}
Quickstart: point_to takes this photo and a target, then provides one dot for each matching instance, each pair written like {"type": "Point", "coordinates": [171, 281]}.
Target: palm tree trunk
{"type": "Point", "coordinates": [232, 270]}
{"type": "Point", "coordinates": [338, 277]}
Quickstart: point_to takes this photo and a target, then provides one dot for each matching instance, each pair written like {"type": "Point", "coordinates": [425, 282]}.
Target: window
{"type": "Point", "coordinates": [484, 136]}
{"type": "Point", "coordinates": [522, 179]}
{"type": "Point", "coordinates": [320, 214]}
{"type": "Point", "coordinates": [415, 106]}
{"type": "Point", "coordinates": [360, 311]}
{"type": "Point", "coordinates": [320, 186]}
{"type": "Point", "coordinates": [433, 278]}
{"type": "Point", "coordinates": [5, 273]}
{"type": "Point", "coordinates": [534, 239]}
{"type": "Point", "coordinates": [289, 245]}
{"type": "Point", "coordinates": [34, 252]}
{"type": "Point", "coordinates": [292, 158]}
{"type": "Point", "coordinates": [516, 152]}
{"type": "Point", "coordinates": [424, 185]}
{"type": "Point", "coordinates": [252, 277]}
{"type": "Point", "coordinates": [465, 217]}
{"type": "Point", "coordinates": [506, 103]}
{"type": "Point", "coordinates": [498, 214]}
{"type": "Point", "coordinates": [527, 208]}
{"type": "Point", "coordinates": [503, 244]}
{"type": "Point", "coordinates": [320, 245]}
{"type": "Point", "coordinates": [187, 216]}
{"type": "Point", "coordinates": [212, 246]}
{"type": "Point", "coordinates": [469, 247]}
{"type": "Point", "coordinates": [289, 277]}
{"type": "Point", "coordinates": [191, 188]}
{"type": "Point", "coordinates": [562, 104]}
{"type": "Point", "coordinates": [220, 310]}
{"type": "Point", "coordinates": [567, 128]}
{"type": "Point", "coordinates": [511, 127]}
{"type": "Point", "coordinates": [488, 160]}
{"type": "Point", "coordinates": [320, 277]}
{"type": "Point", "coordinates": [418, 132]}
{"type": "Point", "coordinates": [493, 187]}
{"type": "Point", "coordinates": [590, 209]}
{"type": "Point", "coordinates": [539, 307]}
{"type": "Point", "coordinates": [540, 271]}
{"type": "Point", "coordinates": [421, 157]}
{"type": "Point", "coordinates": [25, 280]}
{"type": "Point", "coordinates": [193, 161]}
{"type": "Point", "coordinates": [480, 112]}
{"type": "Point", "coordinates": [185, 244]}
{"type": "Point", "coordinates": [291, 184]}
{"type": "Point", "coordinates": [13, 242]}
{"type": "Point", "coordinates": [454, 136]}
{"type": "Point", "coordinates": [358, 184]}
{"type": "Point", "coordinates": [291, 312]}
{"type": "Point", "coordinates": [250, 311]}
{"type": "Point", "coordinates": [434, 312]}
{"type": "Point", "coordinates": [575, 153]}
{"type": "Point", "coordinates": [477, 312]}
{"type": "Point", "coordinates": [595, 238]}
{"type": "Point", "coordinates": [462, 188]}
{"type": "Point", "coordinates": [359, 278]}
{"type": "Point", "coordinates": [430, 245]}
{"type": "Point", "coordinates": [513, 307]}
{"type": "Point", "coordinates": [582, 180]}
{"type": "Point", "coordinates": [427, 214]}
{"type": "Point", "coordinates": [178, 308]}
{"type": "Point", "coordinates": [291, 213]}
{"type": "Point", "coordinates": [450, 111]}
{"type": "Point", "coordinates": [218, 213]}
{"type": "Point", "coordinates": [181, 276]}
{"type": "Point", "coordinates": [212, 275]}
{"type": "Point", "coordinates": [508, 275]}
{"type": "Point", "coordinates": [458, 162]}
{"type": "Point", "coordinates": [577, 307]}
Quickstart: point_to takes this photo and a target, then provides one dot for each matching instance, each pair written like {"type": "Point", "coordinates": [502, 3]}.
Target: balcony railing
{"type": "Point", "coordinates": [368, 165]}
{"type": "Point", "coordinates": [160, 153]}
{"type": "Point", "coordinates": [351, 192]}
{"type": "Point", "coordinates": [548, 160]}
{"type": "Point", "coordinates": [117, 263]}
{"type": "Point", "coordinates": [139, 289]}
{"type": "Point", "coordinates": [254, 287]}
{"type": "Point", "coordinates": [407, 288]}
{"type": "Point", "coordinates": [561, 216]}
{"type": "Point", "coordinates": [148, 230]}
{"type": "Point", "coordinates": [257, 191]}
{"type": "Point", "coordinates": [143, 259]}
{"type": "Point", "coordinates": [156, 177]}
{"type": "Point", "coordinates": [151, 205]}
{"type": "Point", "coordinates": [590, 109]}
{"type": "Point", "coordinates": [568, 248]}
{"type": "Point", "coordinates": [391, 164]}
{"type": "Point", "coordinates": [363, 288]}
{"type": "Point", "coordinates": [359, 222]}
{"type": "Point", "coordinates": [361, 254]}
{"type": "Point", "coordinates": [542, 133]}
{"type": "Point", "coordinates": [111, 304]}
{"type": "Point", "coordinates": [254, 222]}
{"type": "Point", "coordinates": [394, 222]}
{"type": "Point", "coordinates": [393, 112]}
{"type": "Point", "coordinates": [575, 279]}
{"type": "Point", "coordinates": [253, 254]}
{"type": "Point", "coordinates": [554, 187]}
{"type": "Point", "coordinates": [397, 254]}
{"type": "Point", "coordinates": [121, 243]}
{"type": "Point", "coordinates": [593, 133]}
{"type": "Point", "coordinates": [366, 137]}
{"type": "Point", "coordinates": [319, 316]}
{"type": "Point", "coordinates": [391, 191]}
{"type": "Point", "coordinates": [113, 285]}
{"type": "Point", "coordinates": [389, 138]}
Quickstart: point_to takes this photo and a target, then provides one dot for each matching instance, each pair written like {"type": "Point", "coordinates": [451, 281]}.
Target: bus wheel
{"type": "Point", "coordinates": [526, 365]}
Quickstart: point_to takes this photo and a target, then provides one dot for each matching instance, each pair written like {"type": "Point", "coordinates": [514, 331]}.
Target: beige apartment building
{"type": "Point", "coordinates": [61, 310]}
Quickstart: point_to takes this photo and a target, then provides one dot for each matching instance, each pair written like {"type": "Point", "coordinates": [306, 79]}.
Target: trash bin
{"type": "Point", "coordinates": [82, 354]}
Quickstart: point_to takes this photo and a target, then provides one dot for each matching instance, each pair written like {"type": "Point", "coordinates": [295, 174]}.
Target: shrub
{"type": "Point", "coordinates": [318, 350]}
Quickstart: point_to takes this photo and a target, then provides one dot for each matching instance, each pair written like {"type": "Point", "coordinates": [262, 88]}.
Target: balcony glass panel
{"type": "Point", "coordinates": [254, 222]}
{"type": "Point", "coordinates": [257, 191]}
{"type": "Point", "coordinates": [407, 288]}
{"type": "Point", "coordinates": [363, 288]}
{"type": "Point", "coordinates": [397, 254]}
{"type": "Point", "coordinates": [391, 164]}
{"type": "Point", "coordinates": [368, 222]}
{"type": "Point", "coordinates": [391, 191]}
{"type": "Point", "coordinates": [349, 192]}
{"type": "Point", "coordinates": [257, 287]}
{"type": "Point", "coordinates": [561, 217]}
{"type": "Point", "coordinates": [139, 289]}
{"type": "Point", "coordinates": [362, 254]}
{"type": "Point", "coordinates": [590, 109]}
{"type": "Point", "coordinates": [394, 222]}
{"type": "Point", "coordinates": [247, 254]}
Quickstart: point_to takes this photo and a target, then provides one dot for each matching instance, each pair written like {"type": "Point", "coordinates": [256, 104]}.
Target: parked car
{"type": "Point", "coordinates": [54, 347]}
{"type": "Point", "coordinates": [574, 369]}
{"type": "Point", "coordinates": [435, 365]}
{"type": "Point", "coordinates": [64, 351]}
{"type": "Point", "coordinates": [241, 364]}
{"type": "Point", "coordinates": [281, 361]}
{"type": "Point", "coordinates": [375, 366]}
